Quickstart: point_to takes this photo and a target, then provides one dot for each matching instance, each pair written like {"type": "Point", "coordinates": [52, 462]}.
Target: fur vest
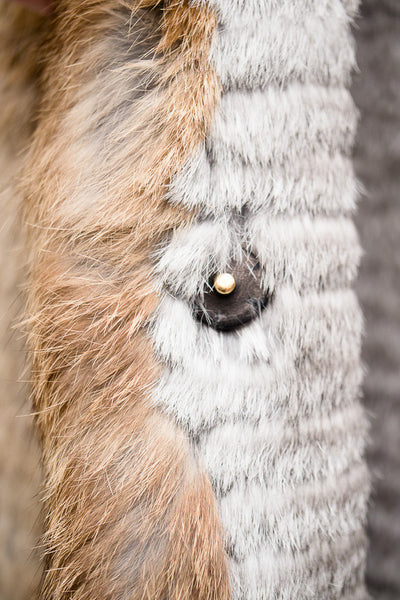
{"type": "Point", "coordinates": [198, 442]}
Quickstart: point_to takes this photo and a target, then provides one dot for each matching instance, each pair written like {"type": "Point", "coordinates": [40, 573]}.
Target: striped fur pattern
{"type": "Point", "coordinates": [168, 447]}
{"type": "Point", "coordinates": [273, 408]}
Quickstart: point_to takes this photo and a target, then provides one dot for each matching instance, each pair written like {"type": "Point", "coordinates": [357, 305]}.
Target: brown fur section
{"type": "Point", "coordinates": [130, 512]}
{"type": "Point", "coordinates": [171, 94]}
{"type": "Point", "coordinates": [19, 454]}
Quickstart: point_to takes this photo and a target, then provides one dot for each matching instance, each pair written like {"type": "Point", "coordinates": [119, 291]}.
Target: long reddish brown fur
{"type": "Point", "coordinates": [130, 512]}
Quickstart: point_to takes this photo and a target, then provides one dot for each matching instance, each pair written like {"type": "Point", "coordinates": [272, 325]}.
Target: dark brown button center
{"type": "Point", "coordinates": [233, 298]}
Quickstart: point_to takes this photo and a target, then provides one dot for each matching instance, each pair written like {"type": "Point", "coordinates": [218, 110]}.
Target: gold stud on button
{"type": "Point", "coordinates": [224, 283]}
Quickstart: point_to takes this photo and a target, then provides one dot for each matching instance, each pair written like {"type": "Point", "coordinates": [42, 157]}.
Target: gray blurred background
{"type": "Point", "coordinates": [376, 90]}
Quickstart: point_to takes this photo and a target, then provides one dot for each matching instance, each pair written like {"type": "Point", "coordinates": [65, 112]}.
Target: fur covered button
{"type": "Point", "coordinates": [233, 298]}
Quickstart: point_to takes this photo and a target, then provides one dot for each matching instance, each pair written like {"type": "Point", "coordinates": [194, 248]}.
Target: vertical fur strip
{"type": "Point", "coordinates": [128, 93]}
{"type": "Point", "coordinates": [273, 407]}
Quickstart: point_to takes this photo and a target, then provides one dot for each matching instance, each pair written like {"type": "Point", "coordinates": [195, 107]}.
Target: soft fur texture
{"type": "Point", "coordinates": [169, 447]}
{"type": "Point", "coordinates": [128, 93]}
{"type": "Point", "coordinates": [272, 408]}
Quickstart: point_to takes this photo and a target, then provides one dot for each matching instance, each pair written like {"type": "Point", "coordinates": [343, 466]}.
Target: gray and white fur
{"type": "Point", "coordinates": [273, 409]}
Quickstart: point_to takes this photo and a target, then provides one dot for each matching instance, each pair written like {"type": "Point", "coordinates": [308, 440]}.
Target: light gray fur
{"type": "Point", "coordinates": [272, 409]}
{"type": "Point", "coordinates": [282, 154]}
